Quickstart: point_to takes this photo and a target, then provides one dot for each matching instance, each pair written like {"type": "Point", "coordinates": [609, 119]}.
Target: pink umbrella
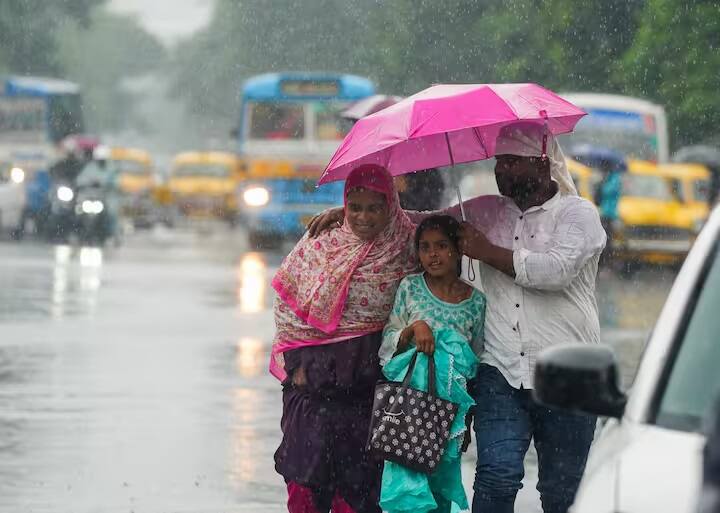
{"type": "Point", "coordinates": [445, 125]}
{"type": "Point", "coordinates": [369, 105]}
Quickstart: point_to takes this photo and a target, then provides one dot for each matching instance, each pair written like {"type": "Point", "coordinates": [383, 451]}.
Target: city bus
{"type": "Point", "coordinates": [36, 114]}
{"type": "Point", "coordinates": [289, 127]}
{"type": "Point", "coordinates": [633, 126]}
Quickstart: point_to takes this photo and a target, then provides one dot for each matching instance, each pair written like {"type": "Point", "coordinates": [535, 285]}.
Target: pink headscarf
{"type": "Point", "coordinates": [338, 286]}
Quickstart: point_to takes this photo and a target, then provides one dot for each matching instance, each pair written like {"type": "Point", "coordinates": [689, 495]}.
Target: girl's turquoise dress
{"type": "Point", "coordinates": [458, 330]}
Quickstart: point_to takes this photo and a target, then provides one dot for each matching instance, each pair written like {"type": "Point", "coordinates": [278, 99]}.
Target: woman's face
{"type": "Point", "coordinates": [367, 213]}
{"type": "Point", "coordinates": [437, 254]}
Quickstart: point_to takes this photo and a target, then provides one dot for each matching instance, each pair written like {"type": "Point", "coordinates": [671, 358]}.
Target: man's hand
{"type": "Point", "coordinates": [326, 220]}
{"type": "Point", "coordinates": [473, 242]}
{"type": "Point", "coordinates": [476, 245]}
{"type": "Point", "coordinates": [424, 339]}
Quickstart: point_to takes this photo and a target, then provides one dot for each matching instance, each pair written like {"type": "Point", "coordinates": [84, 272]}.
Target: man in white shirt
{"type": "Point", "coordinates": [536, 250]}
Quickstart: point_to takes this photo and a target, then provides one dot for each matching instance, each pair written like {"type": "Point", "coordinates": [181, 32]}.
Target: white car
{"type": "Point", "coordinates": [12, 197]}
{"type": "Point", "coordinates": [648, 455]}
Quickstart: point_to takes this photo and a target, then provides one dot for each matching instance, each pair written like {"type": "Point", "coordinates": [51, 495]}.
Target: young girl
{"type": "Point", "coordinates": [437, 314]}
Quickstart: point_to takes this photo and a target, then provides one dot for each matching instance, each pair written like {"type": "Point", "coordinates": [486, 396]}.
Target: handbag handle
{"type": "Point", "coordinates": [431, 374]}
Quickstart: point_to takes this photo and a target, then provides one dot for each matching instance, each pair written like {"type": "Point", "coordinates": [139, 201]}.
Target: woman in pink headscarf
{"type": "Point", "coordinates": [335, 293]}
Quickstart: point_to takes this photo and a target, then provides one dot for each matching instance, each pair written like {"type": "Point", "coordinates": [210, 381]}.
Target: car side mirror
{"type": "Point", "coordinates": [581, 378]}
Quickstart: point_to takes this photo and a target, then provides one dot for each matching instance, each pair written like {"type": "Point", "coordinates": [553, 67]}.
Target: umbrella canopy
{"type": "Point", "coordinates": [370, 105]}
{"type": "Point", "coordinates": [706, 155]}
{"type": "Point", "coordinates": [446, 125]}
{"type": "Point", "coordinates": [599, 157]}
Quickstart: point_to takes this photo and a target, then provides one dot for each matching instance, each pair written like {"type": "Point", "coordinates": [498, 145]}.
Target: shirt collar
{"type": "Point", "coordinates": [547, 206]}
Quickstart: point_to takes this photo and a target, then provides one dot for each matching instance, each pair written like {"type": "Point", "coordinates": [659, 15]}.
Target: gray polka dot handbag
{"type": "Point", "coordinates": [410, 426]}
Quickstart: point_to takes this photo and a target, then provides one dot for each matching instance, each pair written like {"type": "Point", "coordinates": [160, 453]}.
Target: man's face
{"type": "Point", "coordinates": [518, 177]}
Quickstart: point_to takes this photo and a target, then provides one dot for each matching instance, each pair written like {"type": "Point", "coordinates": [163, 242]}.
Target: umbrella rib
{"type": "Point", "coordinates": [480, 140]}
{"type": "Point", "coordinates": [447, 141]}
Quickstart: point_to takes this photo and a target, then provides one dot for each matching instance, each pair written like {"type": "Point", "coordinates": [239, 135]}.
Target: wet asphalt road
{"type": "Point", "coordinates": [133, 378]}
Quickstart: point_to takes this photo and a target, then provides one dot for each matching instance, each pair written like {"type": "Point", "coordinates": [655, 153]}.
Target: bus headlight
{"type": "Point", "coordinates": [256, 196]}
{"type": "Point", "coordinates": [65, 193]}
{"type": "Point", "coordinates": [17, 175]}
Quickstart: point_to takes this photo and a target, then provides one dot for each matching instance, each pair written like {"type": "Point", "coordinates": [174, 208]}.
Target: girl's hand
{"type": "Point", "coordinates": [299, 379]}
{"type": "Point", "coordinates": [424, 339]}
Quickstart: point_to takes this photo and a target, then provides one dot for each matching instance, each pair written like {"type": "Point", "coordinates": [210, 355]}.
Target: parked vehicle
{"type": "Point", "coordinates": [12, 198]}
{"type": "Point", "coordinates": [205, 184]}
{"type": "Point", "coordinates": [585, 178]}
{"type": "Point", "coordinates": [648, 455]}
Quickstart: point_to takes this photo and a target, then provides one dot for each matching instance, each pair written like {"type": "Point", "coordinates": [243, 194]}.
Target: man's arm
{"type": "Point", "coordinates": [577, 237]}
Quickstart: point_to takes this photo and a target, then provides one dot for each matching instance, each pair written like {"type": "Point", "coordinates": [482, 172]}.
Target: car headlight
{"type": "Point", "coordinates": [65, 193]}
{"type": "Point", "coordinates": [92, 207]}
{"type": "Point", "coordinates": [17, 175]}
{"type": "Point", "coordinates": [256, 196]}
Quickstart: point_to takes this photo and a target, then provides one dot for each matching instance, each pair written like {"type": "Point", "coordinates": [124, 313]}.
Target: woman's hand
{"type": "Point", "coordinates": [424, 339]}
{"type": "Point", "coordinates": [299, 378]}
{"type": "Point", "coordinates": [326, 220]}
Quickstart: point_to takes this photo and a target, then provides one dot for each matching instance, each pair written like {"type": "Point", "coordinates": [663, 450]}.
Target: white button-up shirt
{"type": "Point", "coordinates": [556, 248]}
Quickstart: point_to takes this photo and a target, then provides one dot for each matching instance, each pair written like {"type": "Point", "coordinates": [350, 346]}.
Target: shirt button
{"type": "Point", "coordinates": [516, 238]}
{"type": "Point", "coordinates": [514, 329]}
{"type": "Point", "coordinates": [522, 353]}
{"type": "Point", "coordinates": [517, 305]}
{"type": "Point", "coordinates": [521, 217]}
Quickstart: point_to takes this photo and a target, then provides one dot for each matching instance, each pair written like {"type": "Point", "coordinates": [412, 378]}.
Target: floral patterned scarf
{"type": "Point", "coordinates": [338, 286]}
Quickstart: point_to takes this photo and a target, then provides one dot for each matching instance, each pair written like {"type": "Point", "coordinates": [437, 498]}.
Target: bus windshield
{"type": "Point", "coordinates": [628, 133]}
{"type": "Point", "coordinates": [65, 116]}
{"type": "Point", "coordinates": [287, 120]}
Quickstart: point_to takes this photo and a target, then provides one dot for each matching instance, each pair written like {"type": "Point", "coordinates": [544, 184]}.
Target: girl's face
{"type": "Point", "coordinates": [437, 254]}
{"type": "Point", "coordinates": [367, 213]}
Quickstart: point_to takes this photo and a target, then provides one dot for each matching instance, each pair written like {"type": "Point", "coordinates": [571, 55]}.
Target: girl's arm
{"type": "Point", "coordinates": [397, 333]}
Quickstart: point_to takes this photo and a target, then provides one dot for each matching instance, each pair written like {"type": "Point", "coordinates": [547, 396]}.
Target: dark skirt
{"type": "Point", "coordinates": [325, 423]}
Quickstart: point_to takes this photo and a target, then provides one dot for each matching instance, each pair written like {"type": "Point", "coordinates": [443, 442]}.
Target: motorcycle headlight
{"type": "Point", "coordinates": [256, 196]}
{"type": "Point", "coordinates": [17, 175]}
{"type": "Point", "coordinates": [92, 207]}
{"type": "Point", "coordinates": [65, 193]}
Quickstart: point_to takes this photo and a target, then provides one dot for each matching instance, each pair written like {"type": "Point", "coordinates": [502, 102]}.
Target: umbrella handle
{"type": "Point", "coordinates": [471, 269]}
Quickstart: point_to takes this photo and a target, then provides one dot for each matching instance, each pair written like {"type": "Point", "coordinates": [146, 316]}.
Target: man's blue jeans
{"type": "Point", "coordinates": [506, 419]}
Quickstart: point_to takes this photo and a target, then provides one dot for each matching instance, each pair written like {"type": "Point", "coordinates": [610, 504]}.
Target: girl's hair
{"type": "Point", "coordinates": [444, 223]}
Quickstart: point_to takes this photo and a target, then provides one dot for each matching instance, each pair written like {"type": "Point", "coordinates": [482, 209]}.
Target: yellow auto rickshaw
{"type": "Point", "coordinates": [136, 181]}
{"type": "Point", "coordinates": [653, 225]}
{"type": "Point", "coordinates": [690, 183]}
{"type": "Point", "coordinates": [204, 184]}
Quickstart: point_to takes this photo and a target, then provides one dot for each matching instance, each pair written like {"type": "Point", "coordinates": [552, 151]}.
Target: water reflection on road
{"type": "Point", "coordinates": [134, 378]}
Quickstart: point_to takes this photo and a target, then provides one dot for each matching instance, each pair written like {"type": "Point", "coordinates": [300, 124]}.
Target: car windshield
{"type": "Point", "coordinates": [132, 167]}
{"type": "Point", "coordinates": [701, 190]}
{"type": "Point", "coordinates": [209, 170]}
{"type": "Point", "coordinates": [646, 186]}
{"type": "Point", "coordinates": [694, 379]}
